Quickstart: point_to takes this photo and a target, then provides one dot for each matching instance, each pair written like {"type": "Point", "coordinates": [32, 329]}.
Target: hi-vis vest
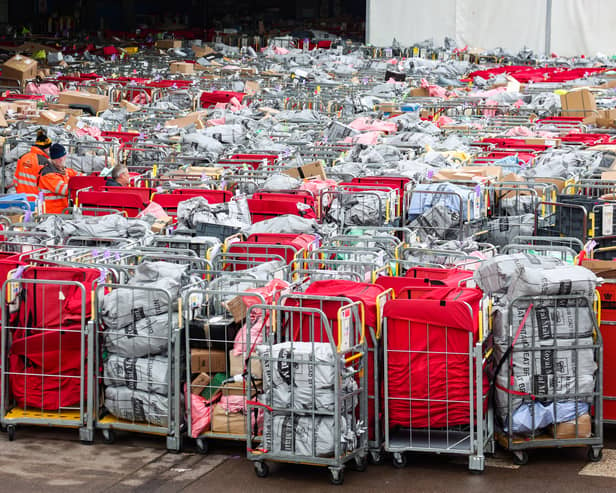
{"type": "Point", "coordinates": [54, 186]}
{"type": "Point", "coordinates": [27, 171]}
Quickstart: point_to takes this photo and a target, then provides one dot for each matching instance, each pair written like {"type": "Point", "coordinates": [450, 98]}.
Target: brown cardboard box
{"type": "Point", "coordinates": [185, 121]}
{"type": "Point", "coordinates": [252, 87]}
{"type": "Point", "coordinates": [608, 175]}
{"type": "Point", "coordinates": [211, 171]}
{"type": "Point", "coordinates": [558, 182]}
{"type": "Point", "coordinates": [419, 92]}
{"type": "Point", "coordinates": [237, 308]}
{"type": "Point", "coordinates": [182, 68]}
{"type": "Point", "coordinates": [602, 119]}
{"type": "Point", "coordinates": [128, 106]}
{"type": "Point", "coordinates": [567, 430]}
{"type": "Point", "coordinates": [198, 384]}
{"type": "Point", "coordinates": [165, 44]}
{"type": "Point", "coordinates": [160, 224]}
{"type": "Point", "coordinates": [231, 423]}
{"type": "Point", "coordinates": [307, 171]}
{"type": "Point", "coordinates": [236, 366]}
{"type": "Point", "coordinates": [98, 102]}
{"type": "Point", "coordinates": [11, 83]}
{"type": "Point", "coordinates": [468, 173]}
{"type": "Point", "coordinates": [24, 106]}
{"type": "Point", "coordinates": [208, 361]}
{"type": "Point", "coordinates": [602, 268]}
{"type": "Point", "coordinates": [50, 117]}
{"type": "Point", "coordinates": [64, 109]}
{"type": "Point", "coordinates": [541, 142]}
{"type": "Point", "coordinates": [580, 102]}
{"type": "Point", "coordinates": [19, 68]}
{"type": "Point", "coordinates": [201, 51]}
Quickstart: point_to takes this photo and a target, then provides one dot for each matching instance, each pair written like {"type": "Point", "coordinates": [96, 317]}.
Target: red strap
{"type": "Point", "coordinates": [515, 339]}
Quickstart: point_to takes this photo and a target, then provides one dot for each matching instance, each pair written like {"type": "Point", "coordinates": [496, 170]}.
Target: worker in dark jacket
{"type": "Point", "coordinates": [119, 177]}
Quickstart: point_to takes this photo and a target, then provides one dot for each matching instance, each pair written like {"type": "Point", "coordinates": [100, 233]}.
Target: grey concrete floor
{"type": "Point", "coordinates": [51, 460]}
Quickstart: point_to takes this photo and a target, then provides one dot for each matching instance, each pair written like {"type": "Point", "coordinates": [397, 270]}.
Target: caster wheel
{"type": "Point", "coordinates": [376, 458]}
{"type": "Point", "coordinates": [202, 446]}
{"type": "Point", "coordinates": [520, 458]}
{"type": "Point", "coordinates": [595, 455]}
{"type": "Point", "coordinates": [361, 463]}
{"type": "Point", "coordinates": [336, 477]}
{"type": "Point", "coordinates": [399, 461]}
{"type": "Point", "coordinates": [109, 436]}
{"type": "Point", "coordinates": [261, 469]}
{"type": "Point", "coordinates": [10, 429]}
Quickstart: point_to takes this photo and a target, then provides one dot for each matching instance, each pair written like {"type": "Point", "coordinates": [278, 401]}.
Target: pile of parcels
{"type": "Point", "coordinates": [289, 214]}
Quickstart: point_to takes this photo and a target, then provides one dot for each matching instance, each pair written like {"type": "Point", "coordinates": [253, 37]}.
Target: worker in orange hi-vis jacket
{"type": "Point", "coordinates": [53, 180]}
{"type": "Point", "coordinates": [30, 164]}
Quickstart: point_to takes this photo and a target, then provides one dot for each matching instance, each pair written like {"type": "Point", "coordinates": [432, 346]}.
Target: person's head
{"type": "Point", "coordinates": [120, 174]}
{"type": "Point", "coordinates": [57, 154]}
{"type": "Point", "coordinates": [42, 140]}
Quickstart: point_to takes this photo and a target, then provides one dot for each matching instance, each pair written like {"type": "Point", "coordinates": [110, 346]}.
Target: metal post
{"type": "Point", "coordinates": [548, 28]}
{"type": "Point", "coordinates": [368, 2]}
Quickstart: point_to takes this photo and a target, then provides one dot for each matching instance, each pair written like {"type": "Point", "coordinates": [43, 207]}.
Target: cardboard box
{"type": "Point", "coordinates": [237, 308]}
{"type": "Point", "coordinates": [98, 102]}
{"type": "Point", "coordinates": [468, 173]}
{"type": "Point", "coordinates": [50, 117]}
{"type": "Point", "coordinates": [198, 384]}
{"type": "Point", "coordinates": [186, 121]}
{"type": "Point", "coordinates": [128, 106]}
{"type": "Point", "coordinates": [578, 103]}
{"type": "Point", "coordinates": [420, 92]}
{"type": "Point", "coordinates": [602, 268]}
{"type": "Point", "coordinates": [165, 44]}
{"type": "Point", "coordinates": [231, 423]}
{"type": "Point", "coordinates": [24, 106]}
{"type": "Point", "coordinates": [208, 361]}
{"type": "Point", "coordinates": [309, 170]}
{"type": "Point", "coordinates": [11, 83]}
{"type": "Point", "coordinates": [64, 108]}
{"type": "Point", "coordinates": [236, 366]}
{"type": "Point", "coordinates": [567, 430]}
{"type": "Point", "coordinates": [202, 51]}
{"type": "Point", "coordinates": [19, 68]}
{"type": "Point", "coordinates": [543, 142]}
{"type": "Point", "coordinates": [602, 119]}
{"type": "Point", "coordinates": [160, 224]}
{"type": "Point", "coordinates": [559, 183]}
{"type": "Point", "coordinates": [252, 87]}
{"type": "Point", "coordinates": [182, 68]}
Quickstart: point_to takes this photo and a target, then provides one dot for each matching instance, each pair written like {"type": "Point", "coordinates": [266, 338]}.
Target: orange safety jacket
{"type": "Point", "coordinates": [28, 168]}
{"type": "Point", "coordinates": [54, 185]}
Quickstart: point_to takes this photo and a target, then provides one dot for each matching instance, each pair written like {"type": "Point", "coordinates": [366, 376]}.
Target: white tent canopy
{"type": "Point", "coordinates": [564, 27]}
